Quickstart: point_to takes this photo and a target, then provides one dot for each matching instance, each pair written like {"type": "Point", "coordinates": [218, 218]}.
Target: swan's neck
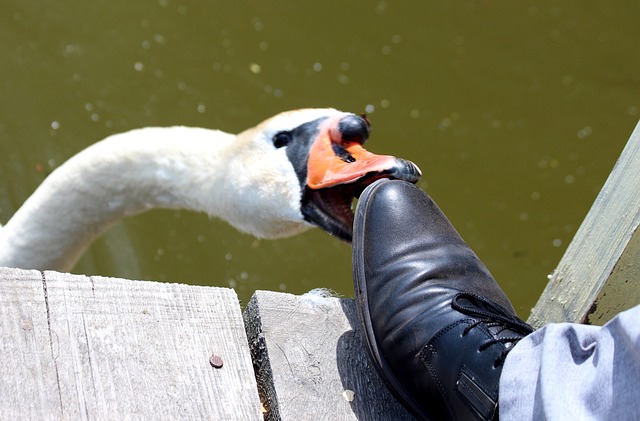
{"type": "Point", "coordinates": [123, 175]}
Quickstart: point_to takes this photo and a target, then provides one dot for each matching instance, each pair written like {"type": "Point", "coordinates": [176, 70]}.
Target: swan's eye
{"type": "Point", "coordinates": [281, 139]}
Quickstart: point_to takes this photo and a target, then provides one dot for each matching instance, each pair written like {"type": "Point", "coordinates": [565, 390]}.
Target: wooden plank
{"type": "Point", "coordinates": [598, 275]}
{"type": "Point", "coordinates": [76, 347]}
{"type": "Point", "coordinates": [310, 356]}
{"type": "Point", "coordinates": [622, 289]}
{"type": "Point", "coordinates": [28, 379]}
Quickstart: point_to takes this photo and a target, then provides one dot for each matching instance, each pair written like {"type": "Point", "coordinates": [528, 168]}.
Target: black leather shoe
{"type": "Point", "coordinates": [437, 325]}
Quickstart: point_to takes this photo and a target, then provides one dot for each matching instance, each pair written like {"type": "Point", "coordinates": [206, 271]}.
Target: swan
{"type": "Point", "coordinates": [296, 170]}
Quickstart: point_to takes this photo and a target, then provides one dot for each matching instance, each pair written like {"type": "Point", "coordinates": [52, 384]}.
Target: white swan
{"type": "Point", "coordinates": [297, 169]}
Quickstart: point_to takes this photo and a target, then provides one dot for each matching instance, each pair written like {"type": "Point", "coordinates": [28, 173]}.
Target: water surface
{"type": "Point", "coordinates": [515, 111]}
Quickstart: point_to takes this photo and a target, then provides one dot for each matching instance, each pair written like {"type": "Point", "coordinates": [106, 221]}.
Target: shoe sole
{"type": "Point", "coordinates": [387, 376]}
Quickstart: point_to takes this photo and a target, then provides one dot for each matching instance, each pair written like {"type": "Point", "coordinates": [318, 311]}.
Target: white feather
{"type": "Point", "coordinates": [242, 179]}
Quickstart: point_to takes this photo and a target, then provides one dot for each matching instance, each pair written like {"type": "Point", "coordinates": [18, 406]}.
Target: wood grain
{"type": "Point", "coordinates": [76, 347]}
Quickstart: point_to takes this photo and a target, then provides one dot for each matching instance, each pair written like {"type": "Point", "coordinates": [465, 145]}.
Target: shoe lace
{"type": "Point", "coordinates": [493, 316]}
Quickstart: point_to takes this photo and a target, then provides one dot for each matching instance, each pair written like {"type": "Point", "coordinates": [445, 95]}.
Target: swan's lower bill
{"type": "Point", "coordinates": [331, 208]}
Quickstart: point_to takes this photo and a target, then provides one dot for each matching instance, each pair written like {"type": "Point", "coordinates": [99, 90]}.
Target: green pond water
{"type": "Point", "coordinates": [515, 111]}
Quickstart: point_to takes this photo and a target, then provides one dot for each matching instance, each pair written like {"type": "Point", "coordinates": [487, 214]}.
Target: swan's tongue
{"type": "Point", "coordinates": [339, 169]}
{"type": "Point", "coordinates": [337, 157]}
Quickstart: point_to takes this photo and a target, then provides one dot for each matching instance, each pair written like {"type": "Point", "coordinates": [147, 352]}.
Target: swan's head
{"type": "Point", "coordinates": [306, 168]}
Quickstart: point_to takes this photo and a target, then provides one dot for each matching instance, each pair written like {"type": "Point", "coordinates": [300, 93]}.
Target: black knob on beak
{"type": "Point", "coordinates": [353, 129]}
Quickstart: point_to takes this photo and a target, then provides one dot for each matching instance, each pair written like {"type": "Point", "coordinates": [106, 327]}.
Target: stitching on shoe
{"type": "Point", "coordinates": [430, 348]}
{"type": "Point", "coordinates": [430, 352]}
{"type": "Point", "coordinates": [478, 406]}
{"type": "Point", "coordinates": [422, 355]}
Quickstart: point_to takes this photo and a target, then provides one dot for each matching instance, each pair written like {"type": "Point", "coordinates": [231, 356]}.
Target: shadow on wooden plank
{"type": "Point", "coordinates": [311, 361]}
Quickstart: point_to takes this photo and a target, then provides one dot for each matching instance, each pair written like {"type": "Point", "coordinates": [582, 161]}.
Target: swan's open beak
{"type": "Point", "coordinates": [339, 169]}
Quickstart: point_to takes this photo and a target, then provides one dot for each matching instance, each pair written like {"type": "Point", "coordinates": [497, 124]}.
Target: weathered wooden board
{"type": "Point", "coordinates": [311, 361]}
{"type": "Point", "coordinates": [599, 274]}
{"type": "Point", "coordinates": [76, 347]}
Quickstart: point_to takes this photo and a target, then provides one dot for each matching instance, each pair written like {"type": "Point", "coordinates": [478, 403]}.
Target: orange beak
{"type": "Point", "coordinates": [337, 157]}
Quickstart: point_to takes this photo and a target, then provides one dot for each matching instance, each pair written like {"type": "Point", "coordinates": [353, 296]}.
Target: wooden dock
{"type": "Point", "coordinates": [76, 347]}
{"type": "Point", "coordinates": [92, 348]}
